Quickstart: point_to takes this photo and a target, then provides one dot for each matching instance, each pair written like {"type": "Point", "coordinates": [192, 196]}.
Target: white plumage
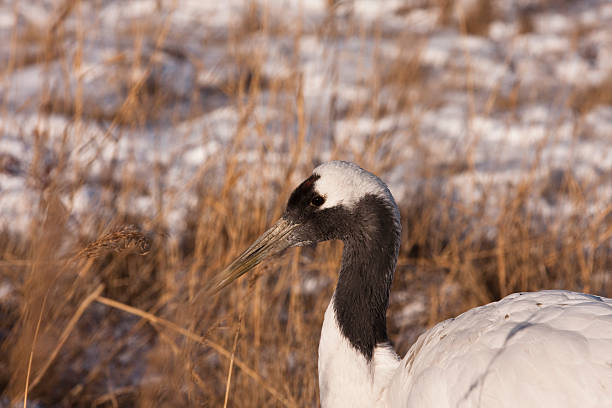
{"type": "Point", "coordinates": [533, 349]}
{"type": "Point", "coordinates": [346, 378]}
{"type": "Point", "coordinates": [542, 349]}
{"type": "Point", "coordinates": [536, 349]}
{"type": "Point", "coordinates": [355, 181]}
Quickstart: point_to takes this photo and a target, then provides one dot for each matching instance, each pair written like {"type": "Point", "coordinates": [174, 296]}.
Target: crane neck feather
{"type": "Point", "coordinates": [370, 254]}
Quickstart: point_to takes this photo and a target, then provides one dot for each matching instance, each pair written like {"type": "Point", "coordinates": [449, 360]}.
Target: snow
{"type": "Point", "coordinates": [7, 20]}
{"type": "Point", "coordinates": [540, 45]}
{"type": "Point", "coordinates": [409, 312]}
{"type": "Point", "coordinates": [452, 113]}
{"type": "Point", "coordinates": [6, 289]}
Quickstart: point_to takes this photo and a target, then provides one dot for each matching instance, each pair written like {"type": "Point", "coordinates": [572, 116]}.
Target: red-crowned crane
{"type": "Point", "coordinates": [541, 349]}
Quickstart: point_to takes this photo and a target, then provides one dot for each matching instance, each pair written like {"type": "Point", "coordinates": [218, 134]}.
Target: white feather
{"type": "Point", "coordinates": [355, 181]}
{"type": "Point", "coordinates": [346, 379]}
{"type": "Point", "coordinates": [541, 349]}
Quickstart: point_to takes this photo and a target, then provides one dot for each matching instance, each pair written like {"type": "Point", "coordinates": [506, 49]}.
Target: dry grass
{"type": "Point", "coordinates": [106, 312]}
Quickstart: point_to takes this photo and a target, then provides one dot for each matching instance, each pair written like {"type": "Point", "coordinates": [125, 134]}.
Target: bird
{"type": "Point", "coordinates": [551, 348]}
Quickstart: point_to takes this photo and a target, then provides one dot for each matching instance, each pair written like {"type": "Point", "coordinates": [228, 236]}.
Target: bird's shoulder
{"type": "Point", "coordinates": [529, 348]}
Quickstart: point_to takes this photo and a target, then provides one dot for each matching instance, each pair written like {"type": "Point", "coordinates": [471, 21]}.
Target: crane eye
{"type": "Point", "coordinates": [317, 201]}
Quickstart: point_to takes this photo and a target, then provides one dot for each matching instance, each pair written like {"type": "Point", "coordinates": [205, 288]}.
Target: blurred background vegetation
{"type": "Point", "coordinates": [143, 144]}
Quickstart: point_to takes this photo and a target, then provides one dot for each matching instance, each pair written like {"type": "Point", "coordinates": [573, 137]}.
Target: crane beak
{"type": "Point", "coordinates": [274, 240]}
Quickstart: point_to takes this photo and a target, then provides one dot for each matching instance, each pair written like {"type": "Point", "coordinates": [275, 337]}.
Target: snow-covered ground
{"type": "Point", "coordinates": [517, 101]}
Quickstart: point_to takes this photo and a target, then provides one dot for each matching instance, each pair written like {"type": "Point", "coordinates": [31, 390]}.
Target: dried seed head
{"type": "Point", "coordinates": [127, 237]}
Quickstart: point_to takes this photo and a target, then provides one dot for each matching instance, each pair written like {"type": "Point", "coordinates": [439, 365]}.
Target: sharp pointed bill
{"type": "Point", "coordinates": [270, 242]}
{"type": "Point", "coordinates": [314, 212]}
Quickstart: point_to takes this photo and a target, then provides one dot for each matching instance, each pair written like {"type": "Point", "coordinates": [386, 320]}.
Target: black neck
{"type": "Point", "coordinates": [368, 262]}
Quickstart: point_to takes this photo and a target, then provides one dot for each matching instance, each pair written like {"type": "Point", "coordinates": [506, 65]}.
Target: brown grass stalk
{"type": "Point", "coordinates": [31, 357]}
{"type": "Point", "coordinates": [208, 129]}
{"type": "Point", "coordinates": [286, 401]}
{"type": "Point", "coordinates": [66, 332]}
